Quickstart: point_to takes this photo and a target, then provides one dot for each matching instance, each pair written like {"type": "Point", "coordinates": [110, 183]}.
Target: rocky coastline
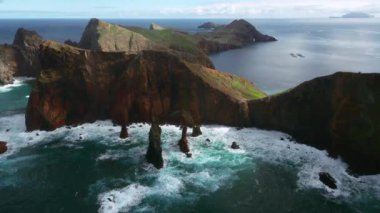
{"type": "Point", "coordinates": [129, 75]}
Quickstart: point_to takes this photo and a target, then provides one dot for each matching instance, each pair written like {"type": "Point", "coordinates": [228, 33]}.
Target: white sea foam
{"type": "Point", "coordinates": [213, 164]}
{"type": "Point", "coordinates": [122, 200]}
{"type": "Point", "coordinates": [19, 81]}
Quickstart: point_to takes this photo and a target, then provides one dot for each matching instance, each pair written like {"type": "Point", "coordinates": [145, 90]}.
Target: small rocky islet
{"type": "Point", "coordinates": [162, 75]}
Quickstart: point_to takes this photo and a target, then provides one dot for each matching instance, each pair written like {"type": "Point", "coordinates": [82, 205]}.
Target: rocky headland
{"type": "Point", "coordinates": [339, 113]}
{"type": "Point", "coordinates": [237, 34]}
{"type": "Point", "coordinates": [21, 58]}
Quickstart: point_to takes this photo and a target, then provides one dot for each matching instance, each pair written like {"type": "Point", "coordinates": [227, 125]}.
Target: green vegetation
{"type": "Point", "coordinates": [170, 38]}
{"type": "Point", "coordinates": [230, 84]}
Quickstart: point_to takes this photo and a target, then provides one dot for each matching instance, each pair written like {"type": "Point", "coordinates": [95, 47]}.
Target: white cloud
{"type": "Point", "coordinates": [277, 8]}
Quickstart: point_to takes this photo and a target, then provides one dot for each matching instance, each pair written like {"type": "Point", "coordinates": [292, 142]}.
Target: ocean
{"type": "Point", "coordinates": [89, 169]}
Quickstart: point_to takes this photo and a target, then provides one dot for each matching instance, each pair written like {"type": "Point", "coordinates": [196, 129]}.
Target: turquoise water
{"type": "Point", "coordinates": [89, 169]}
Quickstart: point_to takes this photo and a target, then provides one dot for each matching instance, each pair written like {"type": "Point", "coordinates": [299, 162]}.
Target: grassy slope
{"type": "Point", "coordinates": [230, 84]}
{"type": "Point", "coordinates": [170, 38]}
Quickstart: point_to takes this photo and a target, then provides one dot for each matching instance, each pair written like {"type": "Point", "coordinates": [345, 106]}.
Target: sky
{"type": "Point", "coordinates": [184, 9]}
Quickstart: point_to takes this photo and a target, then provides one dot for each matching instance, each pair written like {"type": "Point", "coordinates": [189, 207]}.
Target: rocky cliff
{"type": "Point", "coordinates": [339, 113]}
{"type": "Point", "coordinates": [237, 34]}
{"type": "Point", "coordinates": [8, 64]}
{"type": "Point", "coordinates": [102, 36]}
{"type": "Point", "coordinates": [21, 58]}
{"type": "Point", "coordinates": [28, 44]}
{"type": "Point", "coordinates": [77, 86]}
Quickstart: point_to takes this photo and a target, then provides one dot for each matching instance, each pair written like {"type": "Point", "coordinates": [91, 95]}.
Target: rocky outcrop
{"type": "Point", "coordinates": [154, 153]}
{"type": "Point", "coordinates": [124, 131]}
{"type": "Point", "coordinates": [339, 113]}
{"type": "Point", "coordinates": [196, 131]}
{"type": "Point", "coordinates": [21, 58]}
{"type": "Point", "coordinates": [154, 26]}
{"type": "Point", "coordinates": [8, 64]}
{"type": "Point", "coordinates": [183, 144]}
{"type": "Point", "coordinates": [328, 180]}
{"type": "Point", "coordinates": [3, 147]}
{"type": "Point", "coordinates": [102, 36]}
{"type": "Point", "coordinates": [28, 42]}
{"type": "Point", "coordinates": [237, 34]}
{"type": "Point", "coordinates": [78, 86]}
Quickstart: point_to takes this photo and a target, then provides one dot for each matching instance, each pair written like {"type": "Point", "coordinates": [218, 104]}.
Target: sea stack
{"type": "Point", "coordinates": [3, 147]}
{"type": "Point", "coordinates": [183, 144]}
{"type": "Point", "coordinates": [154, 153]}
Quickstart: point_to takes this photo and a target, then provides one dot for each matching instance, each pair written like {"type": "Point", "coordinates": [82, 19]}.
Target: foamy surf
{"type": "Point", "coordinates": [214, 164]}
{"type": "Point", "coordinates": [19, 81]}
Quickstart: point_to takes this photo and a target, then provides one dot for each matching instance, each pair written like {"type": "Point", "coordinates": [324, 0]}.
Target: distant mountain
{"type": "Point", "coordinates": [355, 15]}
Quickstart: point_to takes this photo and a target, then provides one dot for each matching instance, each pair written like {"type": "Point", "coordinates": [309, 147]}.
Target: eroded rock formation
{"type": "Point", "coordinates": [154, 153]}
{"type": "Point", "coordinates": [78, 86]}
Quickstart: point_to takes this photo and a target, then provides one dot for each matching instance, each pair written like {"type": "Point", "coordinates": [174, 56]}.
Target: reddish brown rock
{"type": "Point", "coordinates": [183, 144]}
{"type": "Point", "coordinates": [3, 147]}
{"type": "Point", "coordinates": [339, 113]}
{"type": "Point", "coordinates": [78, 86]}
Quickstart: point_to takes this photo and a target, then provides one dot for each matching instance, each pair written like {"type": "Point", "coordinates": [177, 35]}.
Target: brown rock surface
{"type": "Point", "coordinates": [3, 147]}
{"type": "Point", "coordinates": [78, 86]}
{"type": "Point", "coordinates": [340, 113]}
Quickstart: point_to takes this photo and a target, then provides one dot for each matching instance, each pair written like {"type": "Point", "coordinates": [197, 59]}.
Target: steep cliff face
{"type": "Point", "coordinates": [102, 36]}
{"type": "Point", "coordinates": [339, 113]}
{"type": "Point", "coordinates": [77, 86]}
{"type": "Point", "coordinates": [21, 58]}
{"type": "Point", "coordinates": [27, 43]}
{"type": "Point", "coordinates": [237, 34]}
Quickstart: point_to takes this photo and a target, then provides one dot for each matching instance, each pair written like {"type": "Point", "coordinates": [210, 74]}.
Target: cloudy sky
{"type": "Point", "coordinates": [184, 8]}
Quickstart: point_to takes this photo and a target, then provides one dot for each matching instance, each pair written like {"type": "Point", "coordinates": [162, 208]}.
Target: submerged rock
{"type": "Point", "coordinates": [235, 145]}
{"type": "Point", "coordinates": [3, 147]}
{"type": "Point", "coordinates": [196, 131]}
{"type": "Point", "coordinates": [328, 180]}
{"type": "Point", "coordinates": [154, 153]}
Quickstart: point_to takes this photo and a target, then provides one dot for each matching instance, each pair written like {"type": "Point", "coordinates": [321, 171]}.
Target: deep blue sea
{"type": "Point", "coordinates": [89, 169]}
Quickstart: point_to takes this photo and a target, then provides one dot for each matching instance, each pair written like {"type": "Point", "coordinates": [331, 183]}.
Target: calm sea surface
{"type": "Point", "coordinates": [89, 169]}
